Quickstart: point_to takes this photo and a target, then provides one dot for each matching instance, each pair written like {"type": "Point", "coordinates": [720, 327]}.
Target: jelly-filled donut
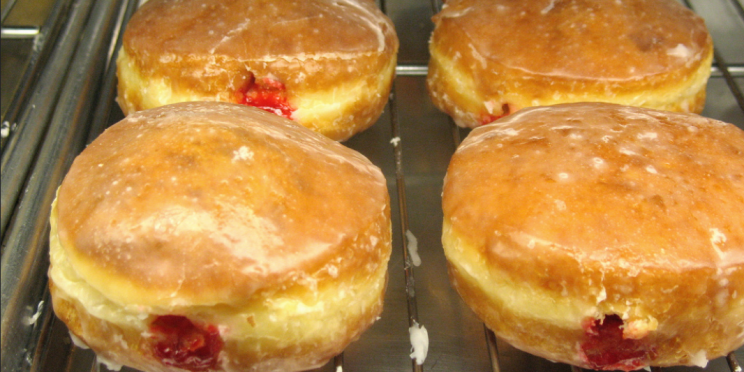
{"type": "Point", "coordinates": [211, 236]}
{"type": "Point", "coordinates": [490, 58]}
{"type": "Point", "coordinates": [603, 236]}
{"type": "Point", "coordinates": [327, 64]}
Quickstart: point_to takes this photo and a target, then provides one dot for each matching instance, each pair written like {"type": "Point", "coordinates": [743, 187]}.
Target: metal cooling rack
{"type": "Point", "coordinates": [58, 90]}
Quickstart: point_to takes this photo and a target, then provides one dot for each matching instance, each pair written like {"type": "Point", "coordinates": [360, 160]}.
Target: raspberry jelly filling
{"type": "Point", "coordinates": [178, 342]}
{"type": "Point", "coordinates": [267, 94]}
{"type": "Point", "coordinates": [487, 118]}
{"type": "Point", "coordinates": [605, 348]}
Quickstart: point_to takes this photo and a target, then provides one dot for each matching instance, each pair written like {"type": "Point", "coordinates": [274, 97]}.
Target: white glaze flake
{"type": "Point", "coordinates": [419, 342]}
{"type": "Point", "coordinates": [413, 248]}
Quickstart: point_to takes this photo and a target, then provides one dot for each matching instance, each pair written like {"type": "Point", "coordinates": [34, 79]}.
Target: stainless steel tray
{"type": "Point", "coordinates": [57, 95]}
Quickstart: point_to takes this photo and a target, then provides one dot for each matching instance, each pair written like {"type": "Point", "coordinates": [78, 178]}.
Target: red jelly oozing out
{"type": "Point", "coordinates": [180, 343]}
{"type": "Point", "coordinates": [266, 94]}
{"type": "Point", "coordinates": [605, 348]}
{"type": "Point", "coordinates": [487, 118]}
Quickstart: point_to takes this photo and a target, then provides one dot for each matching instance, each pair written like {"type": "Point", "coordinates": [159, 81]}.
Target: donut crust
{"type": "Point", "coordinates": [493, 58]}
{"type": "Point", "coordinates": [556, 216]}
{"type": "Point", "coordinates": [226, 215]}
{"type": "Point", "coordinates": [336, 59]}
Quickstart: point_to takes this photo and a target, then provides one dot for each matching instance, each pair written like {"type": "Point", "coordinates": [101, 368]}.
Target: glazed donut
{"type": "Point", "coordinates": [602, 236]}
{"type": "Point", "coordinates": [490, 58]}
{"type": "Point", "coordinates": [327, 64]}
{"type": "Point", "coordinates": [214, 236]}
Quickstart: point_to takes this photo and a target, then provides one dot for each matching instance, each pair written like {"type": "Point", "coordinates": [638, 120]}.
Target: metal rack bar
{"type": "Point", "coordinates": [18, 153]}
{"type": "Point", "coordinates": [739, 8]}
{"type": "Point", "coordinates": [412, 305]}
{"type": "Point", "coordinates": [107, 94]}
{"type": "Point", "coordinates": [723, 67]}
{"type": "Point", "coordinates": [493, 351]}
{"type": "Point", "coordinates": [25, 259]}
{"type": "Point", "coordinates": [402, 205]}
{"type": "Point", "coordinates": [721, 64]}
{"type": "Point", "coordinates": [19, 32]}
{"type": "Point", "coordinates": [733, 363]}
{"type": "Point", "coordinates": [735, 70]}
{"type": "Point", "coordinates": [8, 8]}
{"type": "Point", "coordinates": [45, 41]}
{"type": "Point", "coordinates": [411, 70]}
